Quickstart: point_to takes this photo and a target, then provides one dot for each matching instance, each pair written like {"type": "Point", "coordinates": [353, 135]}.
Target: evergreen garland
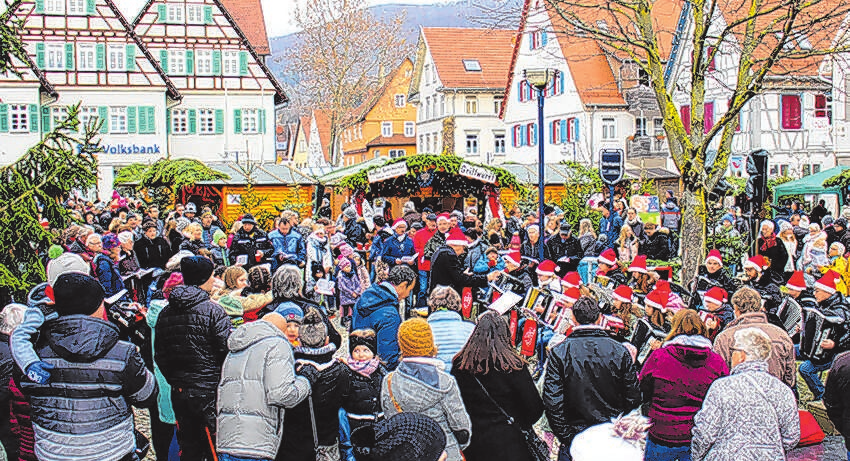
{"type": "Point", "coordinates": [160, 182]}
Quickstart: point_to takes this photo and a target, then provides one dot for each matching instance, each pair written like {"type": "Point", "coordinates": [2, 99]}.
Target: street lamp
{"type": "Point", "coordinates": [539, 79]}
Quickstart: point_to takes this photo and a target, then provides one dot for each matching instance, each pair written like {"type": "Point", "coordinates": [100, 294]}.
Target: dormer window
{"type": "Point", "coordinates": [472, 65]}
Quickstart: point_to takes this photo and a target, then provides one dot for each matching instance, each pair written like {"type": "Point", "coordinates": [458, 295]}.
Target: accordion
{"type": "Point", "coordinates": [817, 327]}
{"type": "Point", "coordinates": [790, 314]}
{"type": "Point", "coordinates": [642, 336]}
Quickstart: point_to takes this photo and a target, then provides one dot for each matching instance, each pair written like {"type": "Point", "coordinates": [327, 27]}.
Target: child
{"type": "Point", "coordinates": [362, 272]}
{"type": "Point", "coordinates": [491, 262]}
{"type": "Point", "coordinates": [716, 312]}
{"type": "Point", "coordinates": [294, 316]}
{"type": "Point", "coordinates": [219, 251]}
{"type": "Point", "coordinates": [365, 372]}
{"type": "Point", "coordinates": [348, 284]}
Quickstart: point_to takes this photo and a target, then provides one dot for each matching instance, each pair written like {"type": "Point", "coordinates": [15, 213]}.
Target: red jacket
{"type": "Point", "coordinates": [419, 241]}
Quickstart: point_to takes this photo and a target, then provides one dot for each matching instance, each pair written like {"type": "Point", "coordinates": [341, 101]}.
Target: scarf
{"type": "Point", "coordinates": [363, 367]}
{"type": "Point", "coordinates": [769, 242]}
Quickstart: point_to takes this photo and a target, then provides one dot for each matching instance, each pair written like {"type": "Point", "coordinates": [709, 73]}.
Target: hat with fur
{"type": "Point", "coordinates": [313, 332]}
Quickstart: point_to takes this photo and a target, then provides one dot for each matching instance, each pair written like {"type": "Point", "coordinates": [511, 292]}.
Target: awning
{"type": "Point", "coordinates": [812, 184]}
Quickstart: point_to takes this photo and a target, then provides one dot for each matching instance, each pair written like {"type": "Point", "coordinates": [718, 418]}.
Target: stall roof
{"type": "Point", "coordinates": [812, 184]}
{"type": "Point", "coordinates": [265, 174]}
{"type": "Point", "coordinates": [332, 177]}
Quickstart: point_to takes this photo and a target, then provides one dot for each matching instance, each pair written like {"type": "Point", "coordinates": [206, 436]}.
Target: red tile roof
{"type": "Point", "coordinates": [591, 71]}
{"type": "Point", "coordinates": [248, 15]}
{"type": "Point", "coordinates": [449, 46]}
{"type": "Point", "coordinates": [305, 128]}
{"type": "Point", "coordinates": [394, 140]}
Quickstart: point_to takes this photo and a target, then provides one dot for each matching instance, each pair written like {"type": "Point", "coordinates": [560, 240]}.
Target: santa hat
{"type": "Point", "coordinates": [662, 285]}
{"type": "Point", "coordinates": [513, 257]}
{"type": "Point", "coordinates": [658, 299]}
{"type": "Point", "coordinates": [607, 257]}
{"type": "Point", "coordinates": [547, 267]}
{"type": "Point", "coordinates": [757, 262]}
{"type": "Point", "coordinates": [797, 282]}
{"type": "Point", "coordinates": [571, 295]}
{"type": "Point", "coordinates": [443, 217]}
{"type": "Point", "coordinates": [399, 222]}
{"type": "Point", "coordinates": [456, 237]}
{"type": "Point", "coordinates": [639, 264]}
{"type": "Point", "coordinates": [826, 283]}
{"type": "Point", "coordinates": [623, 293]}
{"type": "Point", "coordinates": [572, 279]}
{"type": "Point", "coordinates": [715, 256]}
{"type": "Point", "coordinates": [716, 295]}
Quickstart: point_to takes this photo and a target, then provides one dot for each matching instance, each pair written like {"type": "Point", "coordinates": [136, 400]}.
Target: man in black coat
{"type": "Point", "coordinates": [565, 250]}
{"type": "Point", "coordinates": [252, 242]}
{"type": "Point", "coordinates": [590, 378]}
{"type": "Point", "coordinates": [831, 304]}
{"type": "Point", "coordinates": [656, 245]}
{"type": "Point", "coordinates": [152, 250]}
{"type": "Point", "coordinates": [763, 279]}
{"type": "Point", "coordinates": [447, 267]}
{"type": "Point", "coordinates": [352, 229]}
{"type": "Point", "coordinates": [190, 348]}
{"type": "Point", "coordinates": [818, 212]}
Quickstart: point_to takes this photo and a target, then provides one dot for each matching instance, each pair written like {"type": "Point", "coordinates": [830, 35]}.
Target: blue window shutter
{"type": "Point", "coordinates": [519, 90]}
{"type": "Point", "coordinates": [190, 62]}
{"type": "Point", "coordinates": [69, 56]}
{"type": "Point", "coordinates": [103, 118]}
{"type": "Point", "coordinates": [193, 121]}
{"type": "Point", "coordinates": [208, 15]}
{"type": "Point", "coordinates": [4, 118]}
{"type": "Point", "coordinates": [161, 14]}
{"type": "Point", "coordinates": [575, 129]}
{"type": "Point", "coordinates": [33, 116]}
{"type": "Point", "coordinates": [131, 119]}
{"type": "Point", "coordinates": [45, 119]}
{"type": "Point", "coordinates": [560, 83]}
{"type": "Point", "coordinates": [531, 41]}
{"type": "Point", "coordinates": [543, 38]}
{"type": "Point", "coordinates": [243, 63]}
{"type": "Point", "coordinates": [237, 121]}
{"type": "Point", "coordinates": [219, 121]}
{"type": "Point", "coordinates": [562, 127]}
{"type": "Point", "coordinates": [163, 60]}
{"type": "Point", "coordinates": [216, 62]}
{"type": "Point", "coordinates": [39, 8]}
{"type": "Point", "coordinates": [262, 117]}
{"type": "Point", "coordinates": [39, 54]}
{"type": "Point", "coordinates": [91, 7]}
{"type": "Point", "coordinates": [100, 56]}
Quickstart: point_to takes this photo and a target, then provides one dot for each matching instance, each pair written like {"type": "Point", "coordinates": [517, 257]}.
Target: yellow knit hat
{"type": "Point", "coordinates": [415, 339]}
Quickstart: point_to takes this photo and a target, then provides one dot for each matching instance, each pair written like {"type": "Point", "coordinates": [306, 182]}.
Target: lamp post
{"type": "Point", "coordinates": [539, 79]}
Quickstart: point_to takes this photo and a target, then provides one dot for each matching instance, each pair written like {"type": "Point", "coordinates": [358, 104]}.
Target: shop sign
{"type": "Point", "coordinates": [387, 172]}
{"type": "Point", "coordinates": [477, 173]}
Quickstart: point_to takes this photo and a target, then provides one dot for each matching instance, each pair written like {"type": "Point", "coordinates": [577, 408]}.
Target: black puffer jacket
{"type": "Point", "coordinates": [195, 246]}
{"type": "Point", "coordinates": [191, 339]}
{"type": "Point", "coordinates": [656, 246]}
{"type": "Point", "coordinates": [245, 243]}
{"type": "Point", "coordinates": [447, 270]}
{"type": "Point", "coordinates": [569, 248]}
{"type": "Point", "coordinates": [364, 398]}
{"type": "Point", "coordinates": [768, 287]}
{"type": "Point", "coordinates": [834, 307]}
{"type": "Point", "coordinates": [152, 253]}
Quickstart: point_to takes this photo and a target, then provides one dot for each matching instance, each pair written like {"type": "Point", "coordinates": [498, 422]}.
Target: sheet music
{"type": "Point", "coordinates": [506, 301]}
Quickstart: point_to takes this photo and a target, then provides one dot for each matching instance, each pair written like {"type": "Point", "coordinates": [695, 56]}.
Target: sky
{"type": "Point", "coordinates": [277, 12]}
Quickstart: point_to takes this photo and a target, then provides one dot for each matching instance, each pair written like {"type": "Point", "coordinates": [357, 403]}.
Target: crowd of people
{"type": "Point", "coordinates": [362, 338]}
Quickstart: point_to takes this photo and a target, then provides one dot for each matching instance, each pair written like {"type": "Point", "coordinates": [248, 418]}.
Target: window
{"type": "Point", "coordinates": [203, 62]}
{"type": "Point", "coordinates": [531, 134]}
{"type": "Point", "coordinates": [421, 145]}
{"type": "Point", "coordinates": [54, 54]}
{"type": "Point", "coordinates": [206, 121]}
{"type": "Point", "coordinates": [555, 135]}
{"type": "Point", "coordinates": [428, 143]}
{"type": "Point", "coordinates": [250, 121]}
{"type": "Point", "coordinates": [76, 7]}
{"type": "Point", "coordinates": [708, 116]}
{"type": "Point", "coordinates": [59, 114]}
{"type": "Point", "coordinates": [434, 109]}
{"type": "Point", "coordinates": [54, 6]}
{"type": "Point", "coordinates": [497, 104]}
{"type": "Point", "coordinates": [386, 129]}
{"type": "Point", "coordinates": [409, 129]}
{"type": "Point", "coordinates": [396, 153]}
{"type": "Point", "coordinates": [609, 129]}
{"type": "Point", "coordinates": [792, 116]}
{"type": "Point", "coordinates": [640, 127]}
{"type": "Point", "coordinates": [499, 143]}
{"type": "Point", "coordinates": [472, 144]}
{"type": "Point", "coordinates": [117, 119]}
{"type": "Point", "coordinates": [19, 120]}
{"type": "Point", "coordinates": [471, 65]}
{"type": "Point", "coordinates": [428, 108]}
{"type": "Point", "coordinates": [658, 126]}
{"type": "Point", "coordinates": [180, 121]}
{"type": "Point", "coordinates": [685, 112]}
{"type": "Point", "coordinates": [426, 73]}
{"type": "Point", "coordinates": [86, 56]}
{"type": "Point", "coordinates": [174, 13]}
{"type": "Point", "coordinates": [442, 104]}
{"type": "Point", "coordinates": [399, 100]}
{"type": "Point", "coordinates": [230, 59]}
{"type": "Point", "coordinates": [471, 105]}
{"type": "Point", "coordinates": [816, 168]}
{"type": "Point", "coordinates": [643, 78]}
{"type": "Point", "coordinates": [117, 58]}
{"type": "Point", "coordinates": [176, 62]}
{"type": "Point", "coordinates": [88, 116]}
{"type": "Point", "coordinates": [194, 14]}
{"type": "Point", "coordinates": [820, 105]}
{"type": "Point", "coordinates": [537, 39]}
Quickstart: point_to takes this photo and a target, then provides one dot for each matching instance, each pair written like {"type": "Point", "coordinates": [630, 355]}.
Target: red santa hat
{"type": "Point", "coordinates": [572, 279]}
{"type": "Point", "coordinates": [571, 295]}
{"type": "Point", "coordinates": [714, 255]}
{"type": "Point", "coordinates": [797, 282]}
{"type": "Point", "coordinates": [443, 217]}
{"type": "Point", "coordinates": [547, 267]}
{"type": "Point", "coordinates": [608, 257]}
{"type": "Point", "coordinates": [623, 293]}
{"type": "Point", "coordinates": [399, 222]}
{"type": "Point", "coordinates": [456, 237]}
{"type": "Point", "coordinates": [827, 282]}
{"type": "Point", "coordinates": [757, 262]}
{"type": "Point", "coordinates": [662, 285]}
{"type": "Point", "coordinates": [513, 257]}
{"type": "Point", "coordinates": [639, 264]}
{"type": "Point", "coordinates": [716, 295]}
{"type": "Point", "coordinates": [658, 299]}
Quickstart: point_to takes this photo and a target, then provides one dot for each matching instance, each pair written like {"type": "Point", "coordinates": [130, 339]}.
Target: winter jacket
{"type": "Point", "coordinates": [673, 381]}
{"type": "Point", "coordinates": [166, 410]}
{"type": "Point", "coordinates": [106, 272]}
{"type": "Point", "coordinates": [377, 309]}
{"type": "Point", "coordinates": [378, 243]}
{"type": "Point", "coordinates": [835, 306]}
{"type": "Point", "coordinates": [482, 265]}
{"type": "Point", "coordinates": [348, 285]}
{"type": "Point", "coordinates": [492, 436]}
{"type": "Point", "coordinates": [108, 376]}
{"type": "Point", "coordinates": [588, 243]}
{"type": "Point", "coordinates": [707, 280]}
{"type": "Point", "coordinates": [393, 249]}
{"type": "Point", "coordinates": [354, 233]}
{"type": "Point", "coordinates": [327, 394]}
{"type": "Point", "coordinates": [767, 286]}
{"type": "Point", "coordinates": [781, 363]}
{"type": "Point", "coordinates": [288, 249]}
{"type": "Point", "coordinates": [777, 254]}
{"type": "Point", "coordinates": [207, 234]}
{"type": "Point", "coordinates": [671, 217]}
{"type": "Point", "coordinates": [637, 227]}
{"type": "Point", "coordinates": [590, 378]}
{"type": "Point", "coordinates": [152, 253]}
{"type": "Point", "coordinates": [220, 256]}
{"type": "Point", "coordinates": [558, 248]}
{"type": "Point", "coordinates": [655, 247]}
{"type": "Point", "coordinates": [420, 239]}
{"type": "Point", "coordinates": [195, 246]}
{"type": "Point", "coordinates": [21, 423]}
{"type": "Point", "coordinates": [474, 252]}
{"type": "Point", "coordinates": [363, 402]}
{"type": "Point", "coordinates": [610, 226]}
{"type": "Point", "coordinates": [837, 396]}
{"type": "Point", "coordinates": [191, 341]}
{"type": "Point", "coordinates": [39, 311]}
{"type": "Point", "coordinates": [532, 250]}
{"type": "Point", "coordinates": [420, 385]}
{"type": "Point", "coordinates": [248, 244]}
{"type": "Point", "coordinates": [7, 368]}
{"type": "Point", "coordinates": [747, 416]}
{"type": "Point", "coordinates": [451, 332]}
{"type": "Point", "coordinates": [436, 242]}
{"type": "Point", "coordinates": [447, 270]}
{"type": "Point", "coordinates": [257, 382]}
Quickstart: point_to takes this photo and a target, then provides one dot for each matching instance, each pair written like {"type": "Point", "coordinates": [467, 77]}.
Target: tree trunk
{"type": "Point", "coordinates": [693, 232]}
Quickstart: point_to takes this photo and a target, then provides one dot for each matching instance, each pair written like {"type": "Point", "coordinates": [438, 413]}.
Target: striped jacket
{"type": "Point", "coordinates": [450, 334]}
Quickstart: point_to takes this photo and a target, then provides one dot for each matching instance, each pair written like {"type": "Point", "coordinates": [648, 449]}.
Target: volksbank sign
{"type": "Point", "coordinates": [119, 149]}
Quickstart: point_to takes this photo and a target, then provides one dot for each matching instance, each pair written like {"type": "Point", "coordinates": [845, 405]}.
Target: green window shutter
{"type": "Point", "coordinates": [161, 18]}
{"type": "Point", "coordinates": [190, 62]}
{"type": "Point", "coordinates": [131, 57]}
{"type": "Point", "coordinates": [216, 62]}
{"type": "Point", "coordinates": [243, 63]}
{"type": "Point", "coordinates": [100, 56]}
{"type": "Point", "coordinates": [219, 121]}
{"type": "Point", "coordinates": [45, 119]}
{"type": "Point", "coordinates": [39, 54]}
{"type": "Point", "coordinates": [69, 56]}
{"type": "Point", "coordinates": [193, 121]}
{"type": "Point", "coordinates": [208, 15]}
{"type": "Point", "coordinates": [237, 121]}
{"type": "Point", "coordinates": [131, 119]}
{"type": "Point", "coordinates": [91, 7]}
{"type": "Point", "coordinates": [4, 118]}
{"type": "Point", "coordinates": [151, 119]}
{"type": "Point", "coordinates": [168, 120]}
{"type": "Point", "coordinates": [103, 115]}
{"type": "Point", "coordinates": [39, 8]}
{"type": "Point", "coordinates": [33, 118]}
{"type": "Point", "coordinates": [262, 120]}
{"type": "Point", "coordinates": [163, 60]}
{"type": "Point", "coordinates": [143, 119]}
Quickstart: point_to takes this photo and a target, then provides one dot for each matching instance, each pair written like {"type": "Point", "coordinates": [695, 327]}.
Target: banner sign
{"type": "Point", "coordinates": [477, 173]}
{"type": "Point", "coordinates": [387, 172]}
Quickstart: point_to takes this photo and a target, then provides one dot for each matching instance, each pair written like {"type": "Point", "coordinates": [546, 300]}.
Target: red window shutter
{"type": "Point", "coordinates": [792, 117]}
{"type": "Point", "coordinates": [685, 112]}
{"type": "Point", "coordinates": [820, 105]}
{"type": "Point", "coordinates": [708, 117]}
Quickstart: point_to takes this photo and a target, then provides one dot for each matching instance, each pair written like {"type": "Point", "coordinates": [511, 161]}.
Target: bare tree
{"type": "Point", "coordinates": [342, 54]}
{"type": "Point", "coordinates": [768, 38]}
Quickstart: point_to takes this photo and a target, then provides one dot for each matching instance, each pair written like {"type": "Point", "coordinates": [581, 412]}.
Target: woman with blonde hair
{"type": "Point", "coordinates": [586, 236]}
{"type": "Point", "coordinates": [786, 234]}
{"type": "Point", "coordinates": [627, 245]}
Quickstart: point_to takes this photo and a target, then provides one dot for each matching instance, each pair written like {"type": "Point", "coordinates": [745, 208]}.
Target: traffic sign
{"type": "Point", "coordinates": [611, 165]}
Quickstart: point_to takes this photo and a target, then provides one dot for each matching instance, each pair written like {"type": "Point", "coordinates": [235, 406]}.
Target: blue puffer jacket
{"type": "Point", "coordinates": [377, 309]}
{"type": "Point", "coordinates": [394, 249]}
{"type": "Point", "coordinates": [107, 274]}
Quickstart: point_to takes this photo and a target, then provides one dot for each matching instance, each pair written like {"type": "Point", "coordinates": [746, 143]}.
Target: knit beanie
{"type": "Point", "coordinates": [218, 235]}
{"type": "Point", "coordinates": [196, 270]}
{"type": "Point", "coordinates": [65, 263]}
{"type": "Point", "coordinates": [231, 275]}
{"type": "Point", "coordinates": [290, 311]}
{"type": "Point", "coordinates": [415, 339]}
{"type": "Point", "coordinates": [313, 331]}
{"type": "Point", "coordinates": [77, 293]}
{"type": "Point", "coordinates": [110, 241]}
{"type": "Point", "coordinates": [260, 279]}
{"type": "Point", "coordinates": [402, 437]}
{"type": "Point", "coordinates": [360, 338]}
{"type": "Point", "coordinates": [54, 251]}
